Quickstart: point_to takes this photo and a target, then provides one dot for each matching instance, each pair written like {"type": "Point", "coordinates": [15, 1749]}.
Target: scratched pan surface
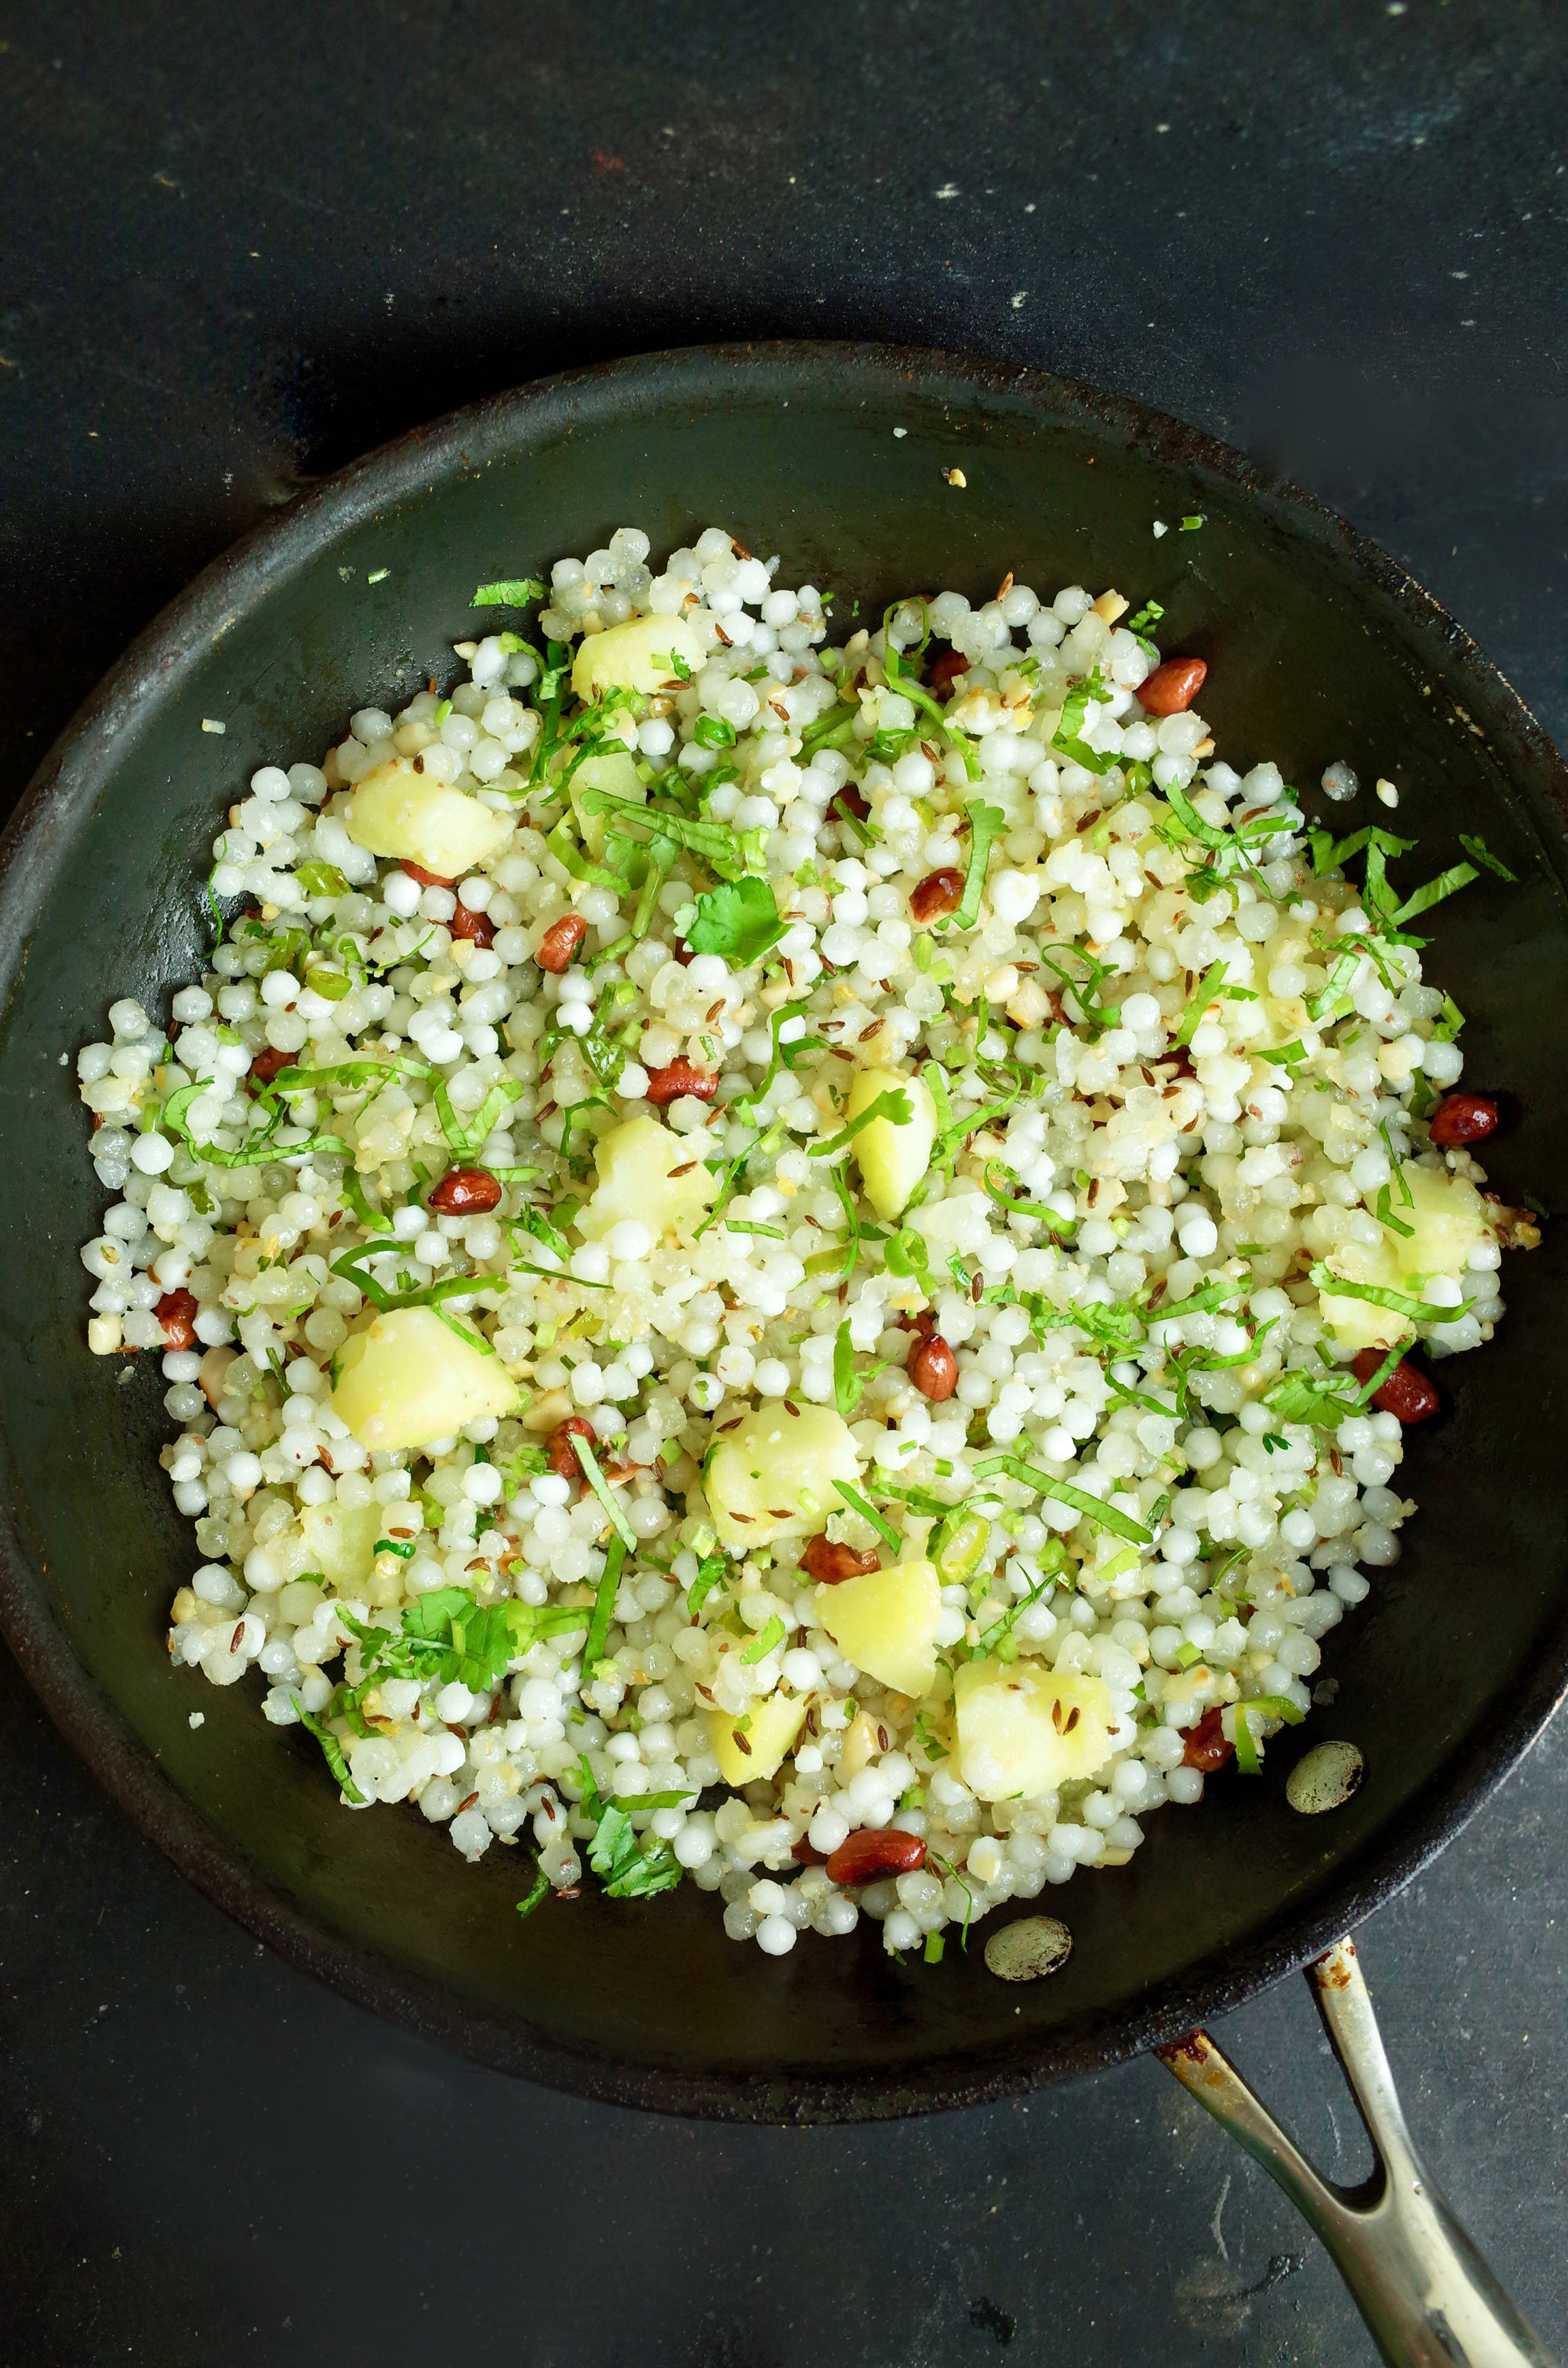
{"type": "Point", "coordinates": [1318, 647]}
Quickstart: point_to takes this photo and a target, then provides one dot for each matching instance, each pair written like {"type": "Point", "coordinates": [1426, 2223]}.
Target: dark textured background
{"type": "Point", "coordinates": [236, 249]}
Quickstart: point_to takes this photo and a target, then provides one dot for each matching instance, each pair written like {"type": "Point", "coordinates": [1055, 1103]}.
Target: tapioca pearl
{"type": "Point", "coordinates": [1198, 1234]}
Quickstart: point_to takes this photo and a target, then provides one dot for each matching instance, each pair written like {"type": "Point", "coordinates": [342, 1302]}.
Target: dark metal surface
{"type": "Point", "coordinates": [206, 221]}
{"type": "Point", "coordinates": [279, 640]}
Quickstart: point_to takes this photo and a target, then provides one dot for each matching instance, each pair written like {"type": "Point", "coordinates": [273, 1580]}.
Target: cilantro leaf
{"type": "Point", "coordinates": [513, 592]}
{"type": "Point", "coordinates": [1447, 883]}
{"type": "Point", "coordinates": [868, 1512]}
{"type": "Point", "coordinates": [710, 1575]}
{"type": "Point", "coordinates": [1102, 1516]}
{"type": "Point", "coordinates": [601, 1488]}
{"type": "Point", "coordinates": [541, 1888]}
{"type": "Point", "coordinates": [894, 1106]}
{"type": "Point", "coordinates": [1067, 736]}
{"type": "Point", "coordinates": [604, 1602]}
{"type": "Point", "coordinates": [849, 1386]}
{"type": "Point", "coordinates": [1202, 995]}
{"type": "Point", "coordinates": [987, 823]}
{"type": "Point", "coordinates": [764, 1641]}
{"type": "Point", "coordinates": [630, 1868]}
{"type": "Point", "coordinates": [1277, 1706]}
{"type": "Point", "coordinates": [739, 920]}
{"type": "Point", "coordinates": [1479, 852]}
{"type": "Point", "coordinates": [332, 1752]}
{"type": "Point", "coordinates": [729, 854]}
{"type": "Point", "coordinates": [1418, 1311]}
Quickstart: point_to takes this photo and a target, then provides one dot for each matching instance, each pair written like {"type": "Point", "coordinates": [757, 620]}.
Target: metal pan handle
{"type": "Point", "coordinates": [1422, 2289]}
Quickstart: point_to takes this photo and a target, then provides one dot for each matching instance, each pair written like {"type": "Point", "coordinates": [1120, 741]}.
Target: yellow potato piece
{"type": "Point", "coordinates": [1025, 1728]}
{"type": "Point", "coordinates": [408, 1377]}
{"type": "Point", "coordinates": [892, 1159]}
{"type": "Point", "coordinates": [619, 775]}
{"type": "Point", "coordinates": [339, 1541]}
{"type": "Point", "coordinates": [635, 1164]}
{"type": "Point", "coordinates": [1447, 1217]}
{"type": "Point", "coordinates": [749, 1754]}
{"type": "Point", "coordinates": [773, 1475]}
{"type": "Point", "coordinates": [396, 811]}
{"type": "Point", "coordinates": [886, 1623]}
{"type": "Point", "coordinates": [635, 657]}
{"type": "Point", "coordinates": [1361, 1323]}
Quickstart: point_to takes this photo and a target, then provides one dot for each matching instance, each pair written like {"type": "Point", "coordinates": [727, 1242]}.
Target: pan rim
{"type": "Point", "coordinates": [88, 1717]}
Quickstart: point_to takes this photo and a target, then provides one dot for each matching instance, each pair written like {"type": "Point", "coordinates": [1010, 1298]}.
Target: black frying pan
{"type": "Point", "coordinates": [1318, 647]}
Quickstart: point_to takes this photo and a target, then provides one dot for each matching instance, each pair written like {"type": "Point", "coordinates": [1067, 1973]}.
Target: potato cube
{"type": "Point", "coordinates": [773, 1475]}
{"type": "Point", "coordinates": [753, 1753]}
{"type": "Point", "coordinates": [892, 1159]}
{"type": "Point", "coordinates": [636, 656]}
{"type": "Point", "coordinates": [408, 1377]}
{"type": "Point", "coordinates": [396, 811]}
{"type": "Point", "coordinates": [638, 1165]}
{"type": "Point", "coordinates": [1025, 1729]}
{"type": "Point", "coordinates": [886, 1623]}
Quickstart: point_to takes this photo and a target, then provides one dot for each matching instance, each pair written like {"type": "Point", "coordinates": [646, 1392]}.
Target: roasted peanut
{"type": "Point", "coordinates": [176, 1313]}
{"type": "Point", "coordinates": [465, 1192]}
{"type": "Point", "coordinates": [1172, 687]}
{"type": "Point", "coordinates": [831, 1565]}
{"type": "Point", "coordinates": [1407, 1393]}
{"type": "Point", "coordinates": [1205, 1748]}
{"type": "Point", "coordinates": [939, 893]}
{"type": "Point", "coordinates": [477, 928]}
{"type": "Point", "coordinates": [932, 1367]}
{"type": "Point", "coordinates": [1462, 1118]}
{"type": "Point", "coordinates": [561, 941]}
{"type": "Point", "coordinates": [874, 1853]}
{"type": "Point", "coordinates": [558, 1451]}
{"type": "Point", "coordinates": [682, 1076]}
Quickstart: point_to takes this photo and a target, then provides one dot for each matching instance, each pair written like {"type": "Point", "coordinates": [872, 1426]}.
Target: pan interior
{"type": "Point", "coordinates": [1315, 652]}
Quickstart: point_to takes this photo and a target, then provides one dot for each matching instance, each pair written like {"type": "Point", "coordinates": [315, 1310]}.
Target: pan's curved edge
{"type": "Point", "coordinates": [399, 471]}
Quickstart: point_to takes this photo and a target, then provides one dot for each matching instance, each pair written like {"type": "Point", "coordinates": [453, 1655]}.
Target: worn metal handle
{"type": "Point", "coordinates": [1422, 2289]}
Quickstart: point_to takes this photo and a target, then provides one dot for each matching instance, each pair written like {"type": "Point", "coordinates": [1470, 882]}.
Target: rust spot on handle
{"type": "Point", "coordinates": [1336, 1969]}
{"type": "Point", "coordinates": [1194, 2048]}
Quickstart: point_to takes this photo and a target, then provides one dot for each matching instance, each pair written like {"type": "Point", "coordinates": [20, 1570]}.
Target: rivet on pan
{"type": "Point", "coordinates": [1028, 1950]}
{"type": "Point", "coordinates": [1324, 1778]}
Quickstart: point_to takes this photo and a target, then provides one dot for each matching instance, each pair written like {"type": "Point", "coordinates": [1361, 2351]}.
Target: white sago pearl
{"type": "Point", "coordinates": [1013, 895]}
{"type": "Point", "coordinates": [776, 1936]}
{"type": "Point", "coordinates": [151, 1154]}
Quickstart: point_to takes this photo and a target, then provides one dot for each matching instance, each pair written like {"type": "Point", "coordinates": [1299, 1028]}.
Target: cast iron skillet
{"type": "Point", "coordinates": [1318, 647]}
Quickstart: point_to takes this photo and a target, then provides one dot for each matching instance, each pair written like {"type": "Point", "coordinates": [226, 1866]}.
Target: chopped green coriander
{"type": "Point", "coordinates": [602, 1491]}
{"type": "Point", "coordinates": [537, 1895]}
{"type": "Point", "coordinates": [1101, 1515]}
{"type": "Point", "coordinates": [513, 592]}
{"type": "Point", "coordinates": [763, 1643]}
{"type": "Point", "coordinates": [1418, 1311]}
{"type": "Point", "coordinates": [868, 1513]}
{"type": "Point", "coordinates": [739, 920]}
{"type": "Point", "coordinates": [987, 823]}
{"type": "Point", "coordinates": [894, 1106]}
